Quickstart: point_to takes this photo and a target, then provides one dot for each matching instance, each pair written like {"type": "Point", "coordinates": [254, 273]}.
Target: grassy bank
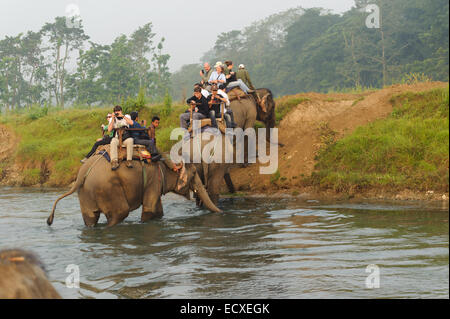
{"type": "Point", "coordinates": [52, 142]}
{"type": "Point", "coordinates": [408, 150]}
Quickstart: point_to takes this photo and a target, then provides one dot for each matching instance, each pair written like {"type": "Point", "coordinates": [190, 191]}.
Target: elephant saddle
{"type": "Point", "coordinates": [207, 122]}
{"type": "Point", "coordinates": [236, 94]}
{"type": "Point", "coordinates": [140, 152]}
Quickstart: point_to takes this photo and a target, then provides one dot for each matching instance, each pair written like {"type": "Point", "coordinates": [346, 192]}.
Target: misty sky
{"type": "Point", "coordinates": [190, 27]}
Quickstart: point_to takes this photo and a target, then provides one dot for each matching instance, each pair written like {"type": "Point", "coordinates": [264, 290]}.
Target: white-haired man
{"type": "Point", "coordinates": [206, 73]}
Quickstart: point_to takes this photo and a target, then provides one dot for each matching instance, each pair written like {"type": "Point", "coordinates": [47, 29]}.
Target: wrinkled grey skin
{"type": "Point", "coordinates": [246, 113]}
{"type": "Point", "coordinates": [211, 173]}
{"type": "Point", "coordinates": [117, 193]}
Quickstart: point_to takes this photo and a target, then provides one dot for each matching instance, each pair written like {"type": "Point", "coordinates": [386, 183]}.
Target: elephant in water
{"type": "Point", "coordinates": [208, 155]}
{"type": "Point", "coordinates": [247, 112]}
{"type": "Point", "coordinates": [117, 193]}
{"type": "Point", "coordinates": [23, 276]}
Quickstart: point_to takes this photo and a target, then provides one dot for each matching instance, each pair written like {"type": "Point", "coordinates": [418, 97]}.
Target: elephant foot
{"type": "Point", "coordinates": [91, 219]}
{"type": "Point", "coordinates": [145, 217]}
{"type": "Point", "coordinates": [116, 218]}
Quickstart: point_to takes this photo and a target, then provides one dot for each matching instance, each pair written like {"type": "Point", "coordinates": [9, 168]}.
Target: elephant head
{"type": "Point", "coordinates": [189, 180]}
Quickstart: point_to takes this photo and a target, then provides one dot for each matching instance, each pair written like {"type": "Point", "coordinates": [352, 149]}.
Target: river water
{"type": "Point", "coordinates": [260, 248]}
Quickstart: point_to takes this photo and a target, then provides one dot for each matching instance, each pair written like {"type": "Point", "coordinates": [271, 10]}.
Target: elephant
{"type": "Point", "coordinates": [117, 193]}
{"type": "Point", "coordinates": [246, 113]}
{"type": "Point", "coordinates": [212, 171]}
{"type": "Point", "coordinates": [23, 276]}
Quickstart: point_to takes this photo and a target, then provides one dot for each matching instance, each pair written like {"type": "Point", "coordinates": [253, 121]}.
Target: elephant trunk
{"type": "Point", "coordinates": [203, 194]}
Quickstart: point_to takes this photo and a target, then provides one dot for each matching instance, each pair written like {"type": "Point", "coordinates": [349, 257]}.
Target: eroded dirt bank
{"type": "Point", "coordinates": [302, 132]}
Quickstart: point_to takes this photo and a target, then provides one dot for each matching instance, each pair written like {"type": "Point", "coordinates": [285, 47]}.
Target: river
{"type": "Point", "coordinates": [259, 248]}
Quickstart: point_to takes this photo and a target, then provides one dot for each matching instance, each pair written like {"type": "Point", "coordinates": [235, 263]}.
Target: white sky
{"type": "Point", "coordinates": [190, 27]}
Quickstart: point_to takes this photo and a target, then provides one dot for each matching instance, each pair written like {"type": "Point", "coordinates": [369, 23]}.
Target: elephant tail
{"type": "Point", "coordinates": [82, 174]}
{"type": "Point", "coordinates": [52, 215]}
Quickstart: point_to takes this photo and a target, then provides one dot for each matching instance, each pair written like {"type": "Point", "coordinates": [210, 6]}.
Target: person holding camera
{"type": "Point", "coordinates": [119, 121]}
{"type": "Point", "coordinates": [218, 77]}
{"type": "Point", "coordinates": [199, 106]}
{"type": "Point", "coordinates": [206, 73]}
{"type": "Point", "coordinates": [105, 140]}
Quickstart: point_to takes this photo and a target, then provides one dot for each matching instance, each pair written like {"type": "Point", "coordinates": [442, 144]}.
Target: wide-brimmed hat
{"type": "Point", "coordinates": [218, 63]}
{"type": "Point", "coordinates": [241, 66]}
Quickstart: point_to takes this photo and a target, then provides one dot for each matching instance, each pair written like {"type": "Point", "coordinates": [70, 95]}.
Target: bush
{"type": "Point", "coordinates": [37, 112]}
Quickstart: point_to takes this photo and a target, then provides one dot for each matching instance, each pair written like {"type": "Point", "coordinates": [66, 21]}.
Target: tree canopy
{"type": "Point", "coordinates": [315, 50]}
{"type": "Point", "coordinates": [59, 65]}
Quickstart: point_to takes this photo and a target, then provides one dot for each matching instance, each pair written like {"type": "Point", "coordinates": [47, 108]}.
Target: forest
{"type": "Point", "coordinates": [316, 50]}
{"type": "Point", "coordinates": [59, 66]}
{"type": "Point", "coordinates": [298, 50]}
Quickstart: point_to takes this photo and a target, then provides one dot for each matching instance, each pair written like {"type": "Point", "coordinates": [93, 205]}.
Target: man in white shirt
{"type": "Point", "coordinates": [120, 121]}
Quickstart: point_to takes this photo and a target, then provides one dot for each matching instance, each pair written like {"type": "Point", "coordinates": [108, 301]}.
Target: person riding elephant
{"type": "Point", "coordinates": [117, 193]}
{"type": "Point", "coordinates": [242, 74]}
{"type": "Point", "coordinates": [247, 112]}
{"type": "Point", "coordinates": [205, 73]}
{"type": "Point", "coordinates": [119, 121]}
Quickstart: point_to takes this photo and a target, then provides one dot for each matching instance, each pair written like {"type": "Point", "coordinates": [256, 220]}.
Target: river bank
{"type": "Point", "coordinates": [384, 144]}
{"type": "Point", "coordinates": [327, 138]}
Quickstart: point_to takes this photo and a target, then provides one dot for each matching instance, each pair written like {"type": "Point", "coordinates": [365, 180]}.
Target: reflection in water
{"type": "Point", "coordinates": [259, 249]}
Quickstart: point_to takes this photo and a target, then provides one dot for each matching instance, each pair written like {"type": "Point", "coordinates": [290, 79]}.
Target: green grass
{"type": "Point", "coordinates": [408, 150]}
{"type": "Point", "coordinates": [60, 138]}
{"type": "Point", "coordinates": [285, 105]}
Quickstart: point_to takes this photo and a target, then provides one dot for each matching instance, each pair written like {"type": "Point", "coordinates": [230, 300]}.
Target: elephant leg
{"type": "Point", "coordinates": [116, 209]}
{"type": "Point", "coordinates": [229, 183]}
{"type": "Point", "coordinates": [215, 182]}
{"type": "Point", "coordinates": [116, 218]}
{"type": "Point", "coordinates": [89, 212]}
{"type": "Point", "coordinates": [152, 207]}
{"type": "Point", "coordinates": [198, 202]}
{"type": "Point", "coordinates": [90, 218]}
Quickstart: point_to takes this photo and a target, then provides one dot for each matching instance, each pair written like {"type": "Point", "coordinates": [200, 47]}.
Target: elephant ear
{"type": "Point", "coordinates": [264, 102]}
{"type": "Point", "coordinates": [182, 180]}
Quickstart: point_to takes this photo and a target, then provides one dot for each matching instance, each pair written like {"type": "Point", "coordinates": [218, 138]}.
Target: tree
{"type": "Point", "coordinates": [160, 75]}
{"type": "Point", "coordinates": [63, 40]}
{"type": "Point", "coordinates": [141, 48]}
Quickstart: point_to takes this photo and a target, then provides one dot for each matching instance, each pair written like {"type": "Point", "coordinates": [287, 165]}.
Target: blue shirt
{"type": "Point", "coordinates": [136, 134]}
{"type": "Point", "coordinates": [215, 76]}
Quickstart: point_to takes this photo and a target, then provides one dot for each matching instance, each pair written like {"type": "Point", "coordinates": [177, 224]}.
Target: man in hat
{"type": "Point", "coordinates": [242, 74]}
